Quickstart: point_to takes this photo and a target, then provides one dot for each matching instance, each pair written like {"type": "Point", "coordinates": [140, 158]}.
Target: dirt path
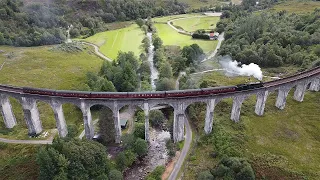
{"type": "Point", "coordinates": [185, 32]}
{"type": "Point", "coordinates": [47, 141]}
{"type": "Point", "coordinates": [97, 52]}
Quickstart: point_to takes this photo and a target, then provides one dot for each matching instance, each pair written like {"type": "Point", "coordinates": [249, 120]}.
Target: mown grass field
{"type": "Point", "coordinates": [171, 37]}
{"type": "Point", "coordinates": [194, 4]}
{"type": "Point", "coordinates": [196, 23]}
{"type": "Point", "coordinates": [298, 7]}
{"type": "Point", "coordinates": [165, 19]}
{"type": "Point", "coordinates": [282, 144]}
{"type": "Point", "coordinates": [43, 68]}
{"type": "Point", "coordinates": [125, 40]}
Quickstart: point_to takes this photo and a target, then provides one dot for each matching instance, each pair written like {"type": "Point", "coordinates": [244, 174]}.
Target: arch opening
{"type": "Point", "coordinates": [47, 118]}
{"type": "Point", "coordinates": [74, 119]}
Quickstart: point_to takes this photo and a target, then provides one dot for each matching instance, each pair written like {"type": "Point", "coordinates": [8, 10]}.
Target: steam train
{"type": "Point", "coordinates": [144, 95]}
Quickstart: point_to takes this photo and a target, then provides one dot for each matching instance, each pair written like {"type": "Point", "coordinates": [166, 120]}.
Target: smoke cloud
{"type": "Point", "coordinates": [234, 68]}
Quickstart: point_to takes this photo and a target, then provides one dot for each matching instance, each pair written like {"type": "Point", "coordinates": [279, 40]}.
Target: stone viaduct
{"type": "Point", "coordinates": [300, 82]}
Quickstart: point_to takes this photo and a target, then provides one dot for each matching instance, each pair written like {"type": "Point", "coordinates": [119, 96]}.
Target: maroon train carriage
{"type": "Point", "coordinates": [217, 90]}
{"type": "Point", "coordinates": [183, 93]}
{"type": "Point", "coordinates": [79, 94]}
{"type": "Point", "coordinates": [11, 88]}
{"type": "Point", "coordinates": [148, 94]}
{"type": "Point", "coordinates": [97, 95]}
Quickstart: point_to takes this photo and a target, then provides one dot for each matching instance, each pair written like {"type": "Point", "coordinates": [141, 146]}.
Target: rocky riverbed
{"type": "Point", "coordinates": [157, 156]}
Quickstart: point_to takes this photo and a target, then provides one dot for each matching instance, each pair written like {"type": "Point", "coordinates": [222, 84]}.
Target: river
{"type": "Point", "coordinates": [154, 71]}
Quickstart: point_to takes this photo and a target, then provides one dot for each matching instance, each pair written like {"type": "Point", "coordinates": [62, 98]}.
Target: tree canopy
{"type": "Point", "coordinates": [73, 159]}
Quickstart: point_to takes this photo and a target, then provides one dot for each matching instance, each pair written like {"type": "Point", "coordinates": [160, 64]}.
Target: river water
{"type": "Point", "coordinates": [154, 71]}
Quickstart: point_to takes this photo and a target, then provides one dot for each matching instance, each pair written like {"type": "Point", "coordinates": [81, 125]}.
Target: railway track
{"type": "Point", "coordinates": [151, 95]}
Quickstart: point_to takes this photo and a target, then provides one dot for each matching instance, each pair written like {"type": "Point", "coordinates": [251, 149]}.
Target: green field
{"type": "Point", "coordinates": [165, 19]}
{"type": "Point", "coordinates": [171, 37]}
{"type": "Point", "coordinates": [42, 68]}
{"type": "Point", "coordinates": [282, 144]}
{"type": "Point", "coordinates": [193, 24]}
{"type": "Point", "coordinates": [298, 7]}
{"type": "Point", "coordinates": [199, 3]}
{"type": "Point", "coordinates": [125, 40]}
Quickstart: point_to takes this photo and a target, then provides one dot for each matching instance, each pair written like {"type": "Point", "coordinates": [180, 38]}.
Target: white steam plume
{"type": "Point", "coordinates": [234, 68]}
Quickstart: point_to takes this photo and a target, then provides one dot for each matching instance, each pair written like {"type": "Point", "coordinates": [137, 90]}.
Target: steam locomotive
{"type": "Point", "coordinates": [144, 95]}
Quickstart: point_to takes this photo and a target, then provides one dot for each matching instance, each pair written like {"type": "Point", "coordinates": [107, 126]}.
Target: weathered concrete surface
{"type": "Point", "coordinates": [6, 110]}
{"type": "Point", "coordinates": [146, 124]}
{"type": "Point", "coordinates": [236, 107]}
{"type": "Point", "coordinates": [261, 102]}
{"type": "Point", "coordinates": [300, 91]}
{"type": "Point", "coordinates": [31, 116]}
{"type": "Point", "coordinates": [178, 122]}
{"type": "Point", "coordinates": [87, 120]}
{"type": "Point", "coordinates": [117, 125]}
{"type": "Point", "coordinates": [282, 97]}
{"type": "Point", "coordinates": [210, 115]}
{"type": "Point", "coordinates": [60, 120]}
{"type": "Point", "coordinates": [315, 84]}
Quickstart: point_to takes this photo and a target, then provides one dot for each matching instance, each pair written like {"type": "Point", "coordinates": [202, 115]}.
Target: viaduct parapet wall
{"type": "Point", "coordinates": [301, 83]}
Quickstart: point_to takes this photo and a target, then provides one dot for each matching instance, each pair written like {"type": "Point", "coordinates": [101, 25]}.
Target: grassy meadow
{"type": "Point", "coordinates": [43, 68]}
{"type": "Point", "coordinates": [297, 7]}
{"type": "Point", "coordinates": [194, 4]}
{"type": "Point", "coordinates": [125, 40]}
{"type": "Point", "coordinates": [18, 161]}
{"type": "Point", "coordinates": [170, 37]}
{"type": "Point", "coordinates": [282, 144]}
{"type": "Point", "coordinates": [193, 24]}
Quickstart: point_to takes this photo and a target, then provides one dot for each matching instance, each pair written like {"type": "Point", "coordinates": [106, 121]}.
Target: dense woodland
{"type": "Point", "coordinates": [35, 24]}
{"type": "Point", "coordinates": [271, 39]}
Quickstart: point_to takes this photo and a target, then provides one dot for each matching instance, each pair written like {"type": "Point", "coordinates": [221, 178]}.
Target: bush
{"type": "Point", "coordinates": [205, 175]}
{"type": "Point", "coordinates": [200, 36]}
{"type": "Point", "coordinates": [140, 147]}
{"type": "Point", "coordinates": [156, 173]}
{"type": "Point", "coordinates": [139, 130]}
{"type": "Point", "coordinates": [156, 118]}
{"type": "Point", "coordinates": [234, 168]}
{"type": "Point", "coordinates": [115, 175]}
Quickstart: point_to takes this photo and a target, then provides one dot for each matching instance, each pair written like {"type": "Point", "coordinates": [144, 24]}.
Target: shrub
{"type": "Point", "coordinates": [205, 175]}
{"type": "Point", "coordinates": [156, 173]}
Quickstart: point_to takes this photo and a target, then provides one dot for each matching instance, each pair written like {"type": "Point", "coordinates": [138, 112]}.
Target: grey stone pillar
{"type": "Point", "coordinates": [261, 102]}
{"type": "Point", "coordinates": [300, 91]}
{"type": "Point", "coordinates": [146, 123]}
{"type": "Point", "coordinates": [87, 120]}
{"type": "Point", "coordinates": [178, 122]}
{"type": "Point", "coordinates": [282, 96]}
{"type": "Point", "coordinates": [315, 84]}
{"type": "Point", "coordinates": [210, 115]}
{"type": "Point", "coordinates": [117, 125]}
{"type": "Point", "coordinates": [7, 113]}
{"type": "Point", "coordinates": [59, 116]}
{"type": "Point", "coordinates": [31, 116]}
{"type": "Point", "coordinates": [236, 107]}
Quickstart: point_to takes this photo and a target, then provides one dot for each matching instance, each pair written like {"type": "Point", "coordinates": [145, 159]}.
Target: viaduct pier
{"type": "Point", "coordinates": [308, 80]}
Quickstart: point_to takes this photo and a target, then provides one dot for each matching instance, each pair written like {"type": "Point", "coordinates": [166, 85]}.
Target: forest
{"type": "Point", "coordinates": [271, 39]}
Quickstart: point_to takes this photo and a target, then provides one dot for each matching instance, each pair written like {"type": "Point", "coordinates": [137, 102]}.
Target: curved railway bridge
{"type": "Point", "coordinates": [178, 100]}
